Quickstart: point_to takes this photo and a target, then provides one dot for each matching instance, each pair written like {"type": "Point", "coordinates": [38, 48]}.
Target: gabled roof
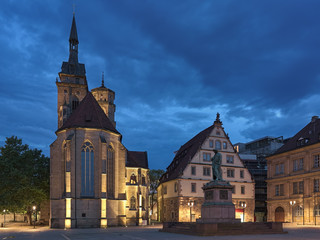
{"type": "Point", "coordinates": [89, 114]}
{"type": "Point", "coordinates": [307, 136]}
{"type": "Point", "coordinates": [137, 159]}
{"type": "Point", "coordinates": [184, 155]}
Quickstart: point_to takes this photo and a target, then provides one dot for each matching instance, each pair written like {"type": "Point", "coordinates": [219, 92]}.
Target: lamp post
{"type": "Point", "coordinates": [190, 204]}
{"type": "Point", "coordinates": [4, 217]}
{"type": "Point", "coordinates": [34, 208]}
{"type": "Point", "coordinates": [243, 205]}
{"type": "Point", "coordinates": [292, 203]}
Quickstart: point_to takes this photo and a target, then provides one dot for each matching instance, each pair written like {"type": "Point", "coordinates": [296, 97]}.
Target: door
{"type": "Point", "coordinates": [279, 214]}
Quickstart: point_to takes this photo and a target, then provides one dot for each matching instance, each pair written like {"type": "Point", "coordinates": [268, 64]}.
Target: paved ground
{"type": "Point", "coordinates": [140, 233]}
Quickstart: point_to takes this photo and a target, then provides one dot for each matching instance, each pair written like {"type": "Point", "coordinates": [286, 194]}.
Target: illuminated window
{"type": "Point", "coordinates": [132, 203]}
{"type": "Point", "coordinates": [133, 179]}
{"type": "Point", "coordinates": [218, 145]}
{"type": "Point", "coordinates": [87, 170]}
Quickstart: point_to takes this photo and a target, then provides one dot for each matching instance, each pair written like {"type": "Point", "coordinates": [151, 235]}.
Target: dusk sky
{"type": "Point", "coordinates": [172, 64]}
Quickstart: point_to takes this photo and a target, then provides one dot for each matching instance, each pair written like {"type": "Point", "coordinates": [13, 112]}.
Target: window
{"type": "Point", "coordinates": [295, 188]}
{"type": "Point", "coordinates": [193, 170]}
{"type": "Point", "coordinates": [175, 187]}
{"type": "Point", "coordinates": [230, 159]}
{"type": "Point", "coordinates": [87, 170]}
{"type": "Point", "coordinates": [298, 211]}
{"type": "Point", "coordinates": [279, 190]}
{"type": "Point", "coordinates": [193, 187]}
{"type": "Point", "coordinates": [132, 203]}
{"type": "Point", "coordinates": [218, 145]}
{"type": "Point", "coordinates": [143, 180]}
{"type": "Point", "coordinates": [230, 173]}
{"type": "Point", "coordinates": [300, 187]}
{"type": "Point", "coordinates": [298, 164]}
{"type": "Point", "coordinates": [143, 204]}
{"type": "Point", "coordinates": [243, 190]}
{"type": "Point", "coordinates": [110, 172]}
{"type": "Point", "coordinates": [316, 185]}
{"type": "Point", "coordinates": [207, 157]}
{"type": "Point", "coordinates": [133, 179]}
{"type": "Point", "coordinates": [316, 162]}
{"type": "Point", "coordinates": [165, 190]}
{"type": "Point", "coordinates": [233, 190]}
{"type": "Point", "coordinates": [241, 174]}
{"type": "Point", "coordinates": [280, 168]}
{"type": "Point", "coordinates": [225, 145]}
{"type": "Point", "coordinates": [217, 132]}
{"type": "Point", "coordinates": [317, 210]}
{"type": "Point", "coordinates": [211, 143]}
{"type": "Point", "coordinates": [206, 171]}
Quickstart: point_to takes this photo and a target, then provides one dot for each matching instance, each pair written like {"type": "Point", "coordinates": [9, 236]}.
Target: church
{"type": "Point", "coordinates": [94, 180]}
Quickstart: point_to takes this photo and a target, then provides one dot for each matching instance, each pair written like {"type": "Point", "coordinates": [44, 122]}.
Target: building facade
{"type": "Point", "coordinates": [180, 193]}
{"type": "Point", "coordinates": [294, 178]}
{"type": "Point", "coordinates": [253, 154]}
{"type": "Point", "coordinates": [94, 180]}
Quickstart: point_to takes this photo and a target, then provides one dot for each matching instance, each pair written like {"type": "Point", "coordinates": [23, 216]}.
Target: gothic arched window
{"type": "Point", "coordinates": [133, 179]}
{"type": "Point", "coordinates": [132, 203]}
{"type": "Point", "coordinates": [110, 172]}
{"type": "Point", "coordinates": [87, 170]}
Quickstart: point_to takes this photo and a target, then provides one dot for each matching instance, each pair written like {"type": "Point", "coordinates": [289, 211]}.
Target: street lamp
{"type": "Point", "coordinates": [190, 204]}
{"type": "Point", "coordinates": [292, 203]}
{"type": "Point", "coordinates": [34, 208]}
{"type": "Point", "coordinates": [243, 205]}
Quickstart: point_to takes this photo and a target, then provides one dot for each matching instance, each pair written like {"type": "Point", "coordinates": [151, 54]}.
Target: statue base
{"type": "Point", "coordinates": [217, 206]}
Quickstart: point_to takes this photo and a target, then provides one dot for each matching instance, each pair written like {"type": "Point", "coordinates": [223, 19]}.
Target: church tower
{"type": "Point", "coordinates": [72, 83]}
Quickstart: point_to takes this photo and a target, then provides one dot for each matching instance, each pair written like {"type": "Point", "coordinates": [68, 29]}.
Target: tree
{"type": "Point", "coordinates": [154, 182]}
{"type": "Point", "coordinates": [24, 176]}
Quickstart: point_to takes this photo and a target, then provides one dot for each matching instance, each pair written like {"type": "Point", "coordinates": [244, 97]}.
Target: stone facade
{"type": "Point", "coordinates": [294, 178]}
{"type": "Point", "coordinates": [191, 169]}
{"type": "Point", "coordinates": [90, 168]}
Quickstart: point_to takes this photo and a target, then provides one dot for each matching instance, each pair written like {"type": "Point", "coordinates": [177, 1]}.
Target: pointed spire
{"type": "Point", "coordinates": [218, 121]}
{"type": "Point", "coordinates": [73, 33]}
{"type": "Point", "coordinates": [73, 43]}
{"type": "Point", "coordinates": [102, 84]}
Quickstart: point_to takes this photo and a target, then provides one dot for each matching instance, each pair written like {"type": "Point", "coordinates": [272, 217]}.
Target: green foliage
{"type": "Point", "coordinates": [24, 176]}
{"type": "Point", "coordinates": [154, 176]}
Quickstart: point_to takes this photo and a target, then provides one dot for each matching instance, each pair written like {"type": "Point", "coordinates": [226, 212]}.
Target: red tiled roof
{"type": "Point", "coordinates": [89, 114]}
{"type": "Point", "coordinates": [137, 159]}
{"type": "Point", "coordinates": [309, 135]}
{"type": "Point", "coordinates": [184, 155]}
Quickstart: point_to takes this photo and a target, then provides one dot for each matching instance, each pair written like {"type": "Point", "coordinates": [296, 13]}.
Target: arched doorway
{"type": "Point", "coordinates": [279, 214]}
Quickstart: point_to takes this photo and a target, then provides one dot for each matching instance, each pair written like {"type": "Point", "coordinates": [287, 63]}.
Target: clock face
{"type": "Point", "coordinates": [71, 68]}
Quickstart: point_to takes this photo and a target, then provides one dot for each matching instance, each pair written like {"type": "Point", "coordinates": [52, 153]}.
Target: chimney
{"type": "Point", "coordinates": [314, 118]}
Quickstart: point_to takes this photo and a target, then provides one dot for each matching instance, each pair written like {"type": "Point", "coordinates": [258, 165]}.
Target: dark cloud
{"type": "Point", "coordinates": [172, 64]}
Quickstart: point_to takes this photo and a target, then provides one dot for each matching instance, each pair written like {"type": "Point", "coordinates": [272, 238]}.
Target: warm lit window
{"type": "Point", "coordinates": [133, 179]}
{"type": "Point", "coordinates": [206, 171]}
{"type": "Point", "coordinates": [230, 173]}
{"type": "Point", "coordinates": [206, 157]}
{"type": "Point", "coordinates": [218, 145]}
{"type": "Point", "coordinates": [230, 159]}
{"type": "Point", "coordinates": [316, 162]}
{"type": "Point", "coordinates": [193, 170]}
{"type": "Point", "coordinates": [193, 187]}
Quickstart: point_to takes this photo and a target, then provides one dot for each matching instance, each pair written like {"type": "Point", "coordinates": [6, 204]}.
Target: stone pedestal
{"type": "Point", "coordinates": [218, 206]}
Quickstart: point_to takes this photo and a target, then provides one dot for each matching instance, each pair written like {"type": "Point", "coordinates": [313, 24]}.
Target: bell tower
{"type": "Point", "coordinates": [72, 83]}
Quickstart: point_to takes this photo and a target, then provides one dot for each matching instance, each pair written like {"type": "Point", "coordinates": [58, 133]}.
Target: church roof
{"type": "Point", "coordinates": [89, 114]}
{"type": "Point", "coordinates": [137, 159]}
{"type": "Point", "coordinates": [185, 154]}
{"type": "Point", "coordinates": [307, 136]}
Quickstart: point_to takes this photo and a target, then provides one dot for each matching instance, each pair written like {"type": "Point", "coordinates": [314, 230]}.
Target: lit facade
{"type": "Point", "coordinates": [180, 193]}
{"type": "Point", "coordinates": [294, 177]}
{"type": "Point", "coordinates": [90, 169]}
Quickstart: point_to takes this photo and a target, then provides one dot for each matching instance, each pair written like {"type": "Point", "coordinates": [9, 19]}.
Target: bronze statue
{"type": "Point", "coordinates": [216, 166]}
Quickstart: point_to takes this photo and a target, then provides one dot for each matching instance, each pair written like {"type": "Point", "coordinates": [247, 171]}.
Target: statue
{"type": "Point", "coordinates": [216, 166]}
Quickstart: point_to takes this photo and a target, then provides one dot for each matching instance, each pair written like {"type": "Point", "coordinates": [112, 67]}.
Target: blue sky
{"type": "Point", "coordinates": [173, 66]}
